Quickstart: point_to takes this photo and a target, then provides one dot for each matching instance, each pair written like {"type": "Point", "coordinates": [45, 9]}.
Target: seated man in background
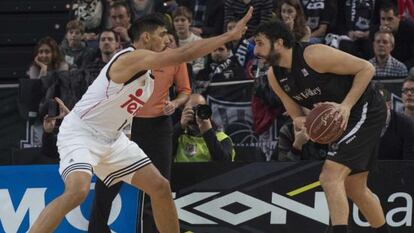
{"type": "Point", "coordinates": [408, 96]}
{"type": "Point", "coordinates": [109, 44]}
{"type": "Point", "coordinates": [386, 65]}
{"type": "Point", "coordinates": [223, 66]}
{"type": "Point", "coordinates": [120, 15]}
{"type": "Point", "coordinates": [397, 138]}
{"type": "Point", "coordinates": [196, 138]}
{"type": "Point", "coordinates": [403, 31]}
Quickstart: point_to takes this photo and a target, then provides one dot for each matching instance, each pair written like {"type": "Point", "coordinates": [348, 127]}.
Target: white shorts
{"type": "Point", "coordinates": [81, 148]}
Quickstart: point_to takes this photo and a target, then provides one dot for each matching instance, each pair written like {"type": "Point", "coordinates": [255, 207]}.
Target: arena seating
{"type": "Point", "coordinates": [23, 23]}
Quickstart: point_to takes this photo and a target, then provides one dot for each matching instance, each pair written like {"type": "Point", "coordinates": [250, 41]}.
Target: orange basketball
{"type": "Point", "coordinates": [321, 126]}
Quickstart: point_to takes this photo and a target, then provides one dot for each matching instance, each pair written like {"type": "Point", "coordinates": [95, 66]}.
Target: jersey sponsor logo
{"type": "Point", "coordinates": [307, 93]}
{"type": "Point", "coordinates": [134, 103]}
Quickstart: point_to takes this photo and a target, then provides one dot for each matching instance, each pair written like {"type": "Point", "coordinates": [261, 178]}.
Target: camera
{"type": "Point", "coordinates": [203, 111]}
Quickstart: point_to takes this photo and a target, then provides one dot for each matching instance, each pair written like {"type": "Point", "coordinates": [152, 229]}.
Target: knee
{"type": "Point", "coordinates": [160, 188]}
{"type": "Point", "coordinates": [329, 180]}
{"type": "Point", "coordinates": [76, 196]}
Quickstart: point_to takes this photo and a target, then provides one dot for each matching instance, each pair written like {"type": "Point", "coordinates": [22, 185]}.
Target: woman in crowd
{"type": "Point", "coordinates": [46, 58]}
{"type": "Point", "coordinates": [291, 12]}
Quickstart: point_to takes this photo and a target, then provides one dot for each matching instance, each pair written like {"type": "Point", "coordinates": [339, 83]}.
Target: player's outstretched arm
{"type": "Point", "coordinates": [131, 63]}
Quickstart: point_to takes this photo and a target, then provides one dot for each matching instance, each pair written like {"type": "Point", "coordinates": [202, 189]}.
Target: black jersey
{"type": "Point", "coordinates": [308, 87]}
{"type": "Point", "coordinates": [357, 147]}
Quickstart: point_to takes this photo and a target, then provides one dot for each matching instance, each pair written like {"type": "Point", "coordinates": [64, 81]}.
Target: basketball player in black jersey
{"type": "Point", "coordinates": [303, 75]}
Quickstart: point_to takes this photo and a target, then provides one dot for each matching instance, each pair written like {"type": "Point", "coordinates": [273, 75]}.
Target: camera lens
{"type": "Point", "coordinates": [203, 111]}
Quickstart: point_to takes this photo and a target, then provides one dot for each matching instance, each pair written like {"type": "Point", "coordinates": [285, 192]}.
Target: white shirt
{"type": "Point", "coordinates": [107, 107]}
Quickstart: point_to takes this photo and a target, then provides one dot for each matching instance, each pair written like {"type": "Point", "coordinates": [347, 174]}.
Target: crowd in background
{"type": "Point", "coordinates": [376, 30]}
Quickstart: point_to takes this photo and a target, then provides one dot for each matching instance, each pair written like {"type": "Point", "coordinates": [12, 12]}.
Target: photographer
{"type": "Point", "coordinates": [196, 138]}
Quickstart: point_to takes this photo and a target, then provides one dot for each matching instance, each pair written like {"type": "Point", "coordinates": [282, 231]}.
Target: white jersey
{"type": "Point", "coordinates": [107, 107]}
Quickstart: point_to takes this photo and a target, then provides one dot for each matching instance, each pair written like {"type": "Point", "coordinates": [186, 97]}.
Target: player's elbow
{"type": "Point", "coordinates": [370, 68]}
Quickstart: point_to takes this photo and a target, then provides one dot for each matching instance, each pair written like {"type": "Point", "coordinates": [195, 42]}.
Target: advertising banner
{"type": "Point", "coordinates": [218, 198]}
{"type": "Point", "coordinates": [232, 109]}
{"type": "Point", "coordinates": [26, 190]}
{"type": "Point", "coordinates": [280, 197]}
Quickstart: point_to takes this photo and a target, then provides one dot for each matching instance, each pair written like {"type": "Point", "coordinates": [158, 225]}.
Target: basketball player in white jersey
{"type": "Point", "coordinates": [90, 139]}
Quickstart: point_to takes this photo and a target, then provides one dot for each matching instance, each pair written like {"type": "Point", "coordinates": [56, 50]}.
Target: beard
{"type": "Point", "coordinates": [272, 58]}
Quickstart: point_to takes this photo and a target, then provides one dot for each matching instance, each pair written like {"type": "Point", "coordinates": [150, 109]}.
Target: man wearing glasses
{"type": "Point", "coordinates": [408, 96]}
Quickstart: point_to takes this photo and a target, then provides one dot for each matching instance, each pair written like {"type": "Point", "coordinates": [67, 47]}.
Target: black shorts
{"type": "Point", "coordinates": [358, 147]}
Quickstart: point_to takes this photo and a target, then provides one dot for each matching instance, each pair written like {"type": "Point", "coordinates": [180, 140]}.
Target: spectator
{"type": "Point", "coordinates": [235, 9]}
{"type": "Point", "coordinates": [47, 57]}
{"type": "Point", "coordinates": [51, 129]}
{"type": "Point", "coordinates": [198, 140]}
{"type": "Point", "coordinates": [294, 145]}
{"type": "Point", "coordinates": [140, 8]}
{"type": "Point", "coordinates": [291, 12]}
{"type": "Point", "coordinates": [208, 16]}
{"type": "Point", "coordinates": [182, 17]}
{"type": "Point", "coordinates": [408, 96]}
{"type": "Point", "coordinates": [243, 50]}
{"type": "Point", "coordinates": [397, 139]}
{"type": "Point", "coordinates": [385, 65]}
{"type": "Point", "coordinates": [403, 30]}
{"type": "Point", "coordinates": [90, 13]}
{"type": "Point", "coordinates": [320, 15]}
{"type": "Point", "coordinates": [355, 23]}
{"type": "Point", "coordinates": [109, 43]}
{"type": "Point", "coordinates": [223, 67]}
{"type": "Point", "coordinates": [120, 14]}
{"type": "Point", "coordinates": [74, 50]}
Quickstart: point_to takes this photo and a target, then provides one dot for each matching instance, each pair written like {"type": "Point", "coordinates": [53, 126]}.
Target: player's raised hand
{"type": "Point", "coordinates": [240, 28]}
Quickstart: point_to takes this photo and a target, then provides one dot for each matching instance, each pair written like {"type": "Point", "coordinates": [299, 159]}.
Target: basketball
{"type": "Point", "coordinates": [321, 126]}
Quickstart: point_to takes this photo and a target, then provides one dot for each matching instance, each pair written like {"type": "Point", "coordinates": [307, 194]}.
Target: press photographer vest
{"type": "Point", "coordinates": [194, 149]}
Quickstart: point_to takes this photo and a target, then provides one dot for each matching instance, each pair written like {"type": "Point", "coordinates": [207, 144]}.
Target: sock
{"type": "Point", "coordinates": [340, 229]}
{"type": "Point", "coordinates": [383, 229]}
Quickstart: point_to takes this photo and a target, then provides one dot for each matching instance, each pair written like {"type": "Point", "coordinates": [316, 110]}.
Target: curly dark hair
{"type": "Point", "coordinates": [57, 57]}
{"type": "Point", "coordinates": [276, 29]}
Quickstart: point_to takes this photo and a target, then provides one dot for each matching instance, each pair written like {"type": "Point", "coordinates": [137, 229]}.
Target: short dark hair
{"type": "Point", "coordinates": [75, 25]}
{"type": "Point", "coordinates": [117, 37]}
{"type": "Point", "coordinates": [276, 29]}
{"type": "Point", "coordinates": [183, 11]}
{"type": "Point", "coordinates": [148, 23]}
{"type": "Point", "coordinates": [119, 4]}
{"type": "Point", "coordinates": [389, 6]}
